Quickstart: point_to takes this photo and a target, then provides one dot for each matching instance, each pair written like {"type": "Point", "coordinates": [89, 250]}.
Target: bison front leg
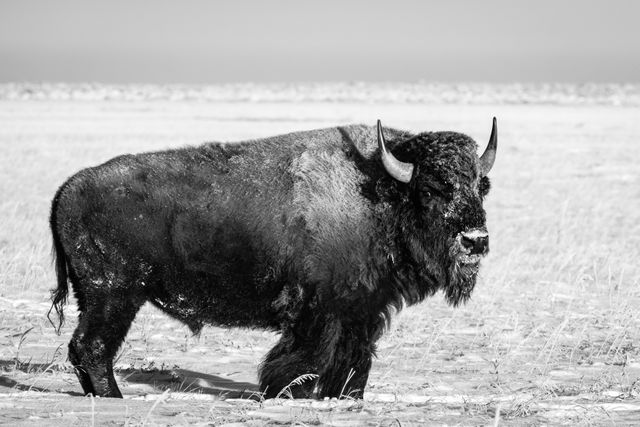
{"type": "Point", "coordinates": [288, 370]}
{"type": "Point", "coordinates": [346, 365]}
{"type": "Point", "coordinates": [337, 356]}
{"type": "Point", "coordinates": [101, 329]}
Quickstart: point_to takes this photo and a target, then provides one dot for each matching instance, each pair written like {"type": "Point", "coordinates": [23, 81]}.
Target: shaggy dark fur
{"type": "Point", "coordinates": [303, 233]}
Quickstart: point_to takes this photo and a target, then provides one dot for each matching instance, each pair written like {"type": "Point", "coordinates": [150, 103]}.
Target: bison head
{"type": "Point", "coordinates": [442, 183]}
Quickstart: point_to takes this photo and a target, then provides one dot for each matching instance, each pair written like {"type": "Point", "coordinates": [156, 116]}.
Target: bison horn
{"type": "Point", "coordinates": [399, 170]}
{"type": "Point", "coordinates": [489, 155]}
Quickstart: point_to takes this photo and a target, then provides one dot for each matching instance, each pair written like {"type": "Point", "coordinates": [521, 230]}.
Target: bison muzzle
{"type": "Point", "coordinates": [319, 235]}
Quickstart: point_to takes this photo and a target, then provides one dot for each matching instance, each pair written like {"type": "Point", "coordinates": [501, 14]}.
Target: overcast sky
{"type": "Point", "coordinates": [208, 41]}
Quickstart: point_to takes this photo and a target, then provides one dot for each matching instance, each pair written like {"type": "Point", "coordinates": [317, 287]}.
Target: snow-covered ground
{"type": "Point", "coordinates": [550, 336]}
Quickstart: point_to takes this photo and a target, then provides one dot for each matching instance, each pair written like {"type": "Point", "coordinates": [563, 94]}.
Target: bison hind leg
{"type": "Point", "coordinates": [81, 373]}
{"type": "Point", "coordinates": [101, 330]}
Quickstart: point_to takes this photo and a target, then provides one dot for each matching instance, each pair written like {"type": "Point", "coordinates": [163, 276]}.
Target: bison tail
{"type": "Point", "coordinates": [59, 293]}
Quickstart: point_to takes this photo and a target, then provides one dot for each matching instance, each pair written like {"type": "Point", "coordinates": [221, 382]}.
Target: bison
{"type": "Point", "coordinates": [320, 235]}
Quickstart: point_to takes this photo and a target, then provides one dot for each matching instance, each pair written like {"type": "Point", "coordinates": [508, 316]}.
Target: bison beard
{"type": "Point", "coordinates": [320, 235]}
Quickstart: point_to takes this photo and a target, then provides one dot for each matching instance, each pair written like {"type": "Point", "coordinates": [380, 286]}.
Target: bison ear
{"type": "Point", "coordinates": [399, 170]}
{"type": "Point", "coordinates": [489, 156]}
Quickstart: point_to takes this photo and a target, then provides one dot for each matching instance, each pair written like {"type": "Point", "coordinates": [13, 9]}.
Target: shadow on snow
{"type": "Point", "coordinates": [176, 380]}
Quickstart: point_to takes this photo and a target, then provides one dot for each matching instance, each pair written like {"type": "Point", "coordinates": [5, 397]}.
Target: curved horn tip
{"type": "Point", "coordinates": [381, 142]}
{"type": "Point", "coordinates": [489, 156]}
{"type": "Point", "coordinates": [493, 139]}
{"type": "Point", "coordinates": [399, 170]}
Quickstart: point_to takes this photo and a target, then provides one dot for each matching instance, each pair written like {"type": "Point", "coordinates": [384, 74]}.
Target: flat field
{"type": "Point", "coordinates": [550, 336]}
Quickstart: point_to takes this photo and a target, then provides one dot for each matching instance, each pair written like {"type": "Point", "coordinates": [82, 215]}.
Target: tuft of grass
{"type": "Point", "coordinates": [286, 391]}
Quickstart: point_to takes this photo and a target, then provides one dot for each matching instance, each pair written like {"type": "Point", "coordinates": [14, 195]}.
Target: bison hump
{"type": "Point", "coordinates": [328, 197]}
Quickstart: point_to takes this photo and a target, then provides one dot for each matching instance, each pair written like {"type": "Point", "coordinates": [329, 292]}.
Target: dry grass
{"type": "Point", "coordinates": [551, 335]}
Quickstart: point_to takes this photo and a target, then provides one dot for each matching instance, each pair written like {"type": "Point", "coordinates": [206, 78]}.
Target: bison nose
{"type": "Point", "coordinates": [477, 242]}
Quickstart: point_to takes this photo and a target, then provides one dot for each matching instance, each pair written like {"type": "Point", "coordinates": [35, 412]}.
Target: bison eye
{"type": "Point", "coordinates": [431, 191]}
{"type": "Point", "coordinates": [484, 186]}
